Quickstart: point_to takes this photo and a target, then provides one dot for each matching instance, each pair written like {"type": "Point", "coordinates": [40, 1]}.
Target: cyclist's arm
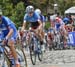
{"type": "Point", "coordinates": [10, 32]}
{"type": "Point", "coordinates": [24, 23]}
{"type": "Point", "coordinates": [40, 24]}
{"type": "Point", "coordinates": [24, 26]}
{"type": "Point", "coordinates": [9, 26]}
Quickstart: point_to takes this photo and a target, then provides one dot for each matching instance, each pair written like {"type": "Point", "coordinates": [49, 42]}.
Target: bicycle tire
{"type": "Point", "coordinates": [7, 59]}
{"type": "Point", "coordinates": [40, 53]}
{"type": "Point", "coordinates": [32, 52]}
{"type": "Point", "coordinates": [22, 56]}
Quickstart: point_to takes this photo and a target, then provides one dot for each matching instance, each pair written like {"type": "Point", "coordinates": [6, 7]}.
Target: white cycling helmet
{"type": "Point", "coordinates": [29, 9]}
{"type": "Point", "coordinates": [38, 11]}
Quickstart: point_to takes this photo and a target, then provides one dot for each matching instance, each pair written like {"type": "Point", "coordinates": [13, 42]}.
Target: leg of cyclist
{"type": "Point", "coordinates": [43, 32]}
{"type": "Point", "coordinates": [11, 43]}
{"type": "Point", "coordinates": [64, 33]}
{"type": "Point", "coordinates": [40, 33]}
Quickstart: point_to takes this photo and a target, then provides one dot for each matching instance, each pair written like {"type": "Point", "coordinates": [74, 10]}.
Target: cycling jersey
{"type": "Point", "coordinates": [6, 22]}
{"type": "Point", "coordinates": [42, 18]}
{"type": "Point", "coordinates": [31, 19]}
{"type": "Point", "coordinates": [58, 23]}
{"type": "Point", "coordinates": [57, 26]}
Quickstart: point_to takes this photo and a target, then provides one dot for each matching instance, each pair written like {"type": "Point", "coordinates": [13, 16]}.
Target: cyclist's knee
{"type": "Point", "coordinates": [11, 43]}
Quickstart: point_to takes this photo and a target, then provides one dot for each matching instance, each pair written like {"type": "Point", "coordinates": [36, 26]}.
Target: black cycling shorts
{"type": "Point", "coordinates": [34, 25]}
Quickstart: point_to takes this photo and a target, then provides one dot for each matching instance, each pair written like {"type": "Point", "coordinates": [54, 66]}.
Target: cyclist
{"type": "Point", "coordinates": [42, 18]}
{"type": "Point", "coordinates": [58, 23]}
{"type": "Point", "coordinates": [59, 26]}
{"type": "Point", "coordinates": [9, 34]}
{"type": "Point", "coordinates": [52, 20]}
{"type": "Point", "coordinates": [34, 19]}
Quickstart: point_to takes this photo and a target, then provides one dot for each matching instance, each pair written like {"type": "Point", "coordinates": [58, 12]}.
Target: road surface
{"type": "Point", "coordinates": [58, 58]}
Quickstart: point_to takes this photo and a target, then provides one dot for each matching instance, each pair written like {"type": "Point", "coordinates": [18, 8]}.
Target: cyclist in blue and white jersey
{"type": "Point", "coordinates": [9, 31]}
{"type": "Point", "coordinates": [34, 19]}
{"type": "Point", "coordinates": [59, 23]}
{"type": "Point", "coordinates": [42, 18]}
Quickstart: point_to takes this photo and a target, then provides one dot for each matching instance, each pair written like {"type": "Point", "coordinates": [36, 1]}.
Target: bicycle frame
{"type": "Point", "coordinates": [4, 53]}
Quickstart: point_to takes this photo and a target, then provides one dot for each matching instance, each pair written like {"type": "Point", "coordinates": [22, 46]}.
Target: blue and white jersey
{"type": "Point", "coordinates": [42, 18]}
{"type": "Point", "coordinates": [33, 18]}
{"type": "Point", "coordinates": [6, 22]}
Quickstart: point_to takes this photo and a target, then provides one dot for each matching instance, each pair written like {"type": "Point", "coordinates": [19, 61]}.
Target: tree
{"type": "Point", "coordinates": [18, 14]}
{"type": "Point", "coordinates": [14, 11]}
{"type": "Point", "coordinates": [65, 4]}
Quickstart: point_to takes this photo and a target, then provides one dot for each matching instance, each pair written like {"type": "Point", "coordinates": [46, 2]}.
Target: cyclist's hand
{"type": "Point", "coordinates": [21, 33]}
{"type": "Point", "coordinates": [4, 42]}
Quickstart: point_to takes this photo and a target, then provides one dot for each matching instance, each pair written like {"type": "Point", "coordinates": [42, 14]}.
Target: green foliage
{"type": "Point", "coordinates": [18, 14]}
{"type": "Point", "coordinates": [15, 13]}
{"type": "Point", "coordinates": [65, 4]}
{"type": "Point", "coordinates": [47, 25]}
{"type": "Point", "coordinates": [14, 9]}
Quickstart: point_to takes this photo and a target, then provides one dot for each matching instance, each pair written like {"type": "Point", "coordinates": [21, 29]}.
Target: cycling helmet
{"type": "Point", "coordinates": [29, 9]}
{"type": "Point", "coordinates": [38, 11]}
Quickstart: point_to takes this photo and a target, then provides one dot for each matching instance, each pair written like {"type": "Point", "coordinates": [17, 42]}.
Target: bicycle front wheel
{"type": "Point", "coordinates": [21, 56]}
{"type": "Point", "coordinates": [32, 52]}
{"type": "Point", "coordinates": [7, 62]}
{"type": "Point", "coordinates": [40, 52]}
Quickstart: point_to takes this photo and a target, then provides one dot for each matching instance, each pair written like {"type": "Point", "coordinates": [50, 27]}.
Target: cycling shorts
{"type": "Point", "coordinates": [34, 25]}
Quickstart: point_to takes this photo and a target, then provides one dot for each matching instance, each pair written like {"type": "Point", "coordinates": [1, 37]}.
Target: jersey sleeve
{"type": "Point", "coordinates": [44, 19]}
{"type": "Point", "coordinates": [61, 22]}
{"type": "Point", "coordinates": [37, 17]}
{"type": "Point", "coordinates": [7, 21]}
